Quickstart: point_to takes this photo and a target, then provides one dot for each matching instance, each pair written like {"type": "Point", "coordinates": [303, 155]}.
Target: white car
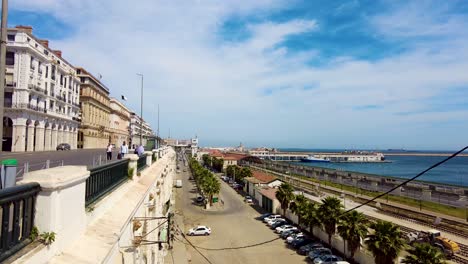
{"type": "Point", "coordinates": [199, 231]}
{"type": "Point", "coordinates": [248, 199]}
{"type": "Point", "coordinates": [281, 229]}
{"type": "Point", "coordinates": [290, 239]}
{"type": "Point", "coordinates": [273, 221]}
{"type": "Point", "coordinates": [271, 217]}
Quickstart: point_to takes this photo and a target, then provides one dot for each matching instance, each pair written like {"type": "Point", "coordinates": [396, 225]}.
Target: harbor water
{"type": "Point", "coordinates": [453, 172]}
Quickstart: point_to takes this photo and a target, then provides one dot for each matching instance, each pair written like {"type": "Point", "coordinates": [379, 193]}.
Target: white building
{"type": "Point", "coordinates": [41, 95]}
{"type": "Point", "coordinates": [139, 127]}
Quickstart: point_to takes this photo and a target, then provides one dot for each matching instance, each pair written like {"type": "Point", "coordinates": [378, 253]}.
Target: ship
{"type": "Point", "coordinates": [311, 158]}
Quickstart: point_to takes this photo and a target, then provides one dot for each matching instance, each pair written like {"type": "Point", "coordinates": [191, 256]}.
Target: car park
{"type": "Point", "coordinates": [299, 242]}
{"type": "Point", "coordinates": [327, 259]}
{"type": "Point", "coordinates": [318, 252]}
{"type": "Point", "coordinates": [283, 228]}
{"type": "Point", "coordinates": [304, 250]}
{"type": "Point", "coordinates": [248, 199]}
{"type": "Point", "coordinates": [288, 233]}
{"type": "Point", "coordinates": [271, 217]}
{"type": "Point", "coordinates": [199, 231]}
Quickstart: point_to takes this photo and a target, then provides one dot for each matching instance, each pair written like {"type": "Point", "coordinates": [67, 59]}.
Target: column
{"type": "Point", "coordinates": [40, 137]}
{"type": "Point", "coordinates": [30, 136]}
{"type": "Point", "coordinates": [48, 138]}
{"type": "Point", "coordinates": [74, 139]}
{"type": "Point", "coordinates": [54, 138]}
{"type": "Point", "coordinates": [19, 136]}
{"type": "Point", "coordinates": [59, 136]}
{"type": "Point", "coordinates": [65, 135]}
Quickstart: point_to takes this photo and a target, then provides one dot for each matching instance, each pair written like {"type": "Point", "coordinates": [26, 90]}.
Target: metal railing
{"type": "Point", "coordinates": [17, 210]}
{"type": "Point", "coordinates": [104, 179]}
{"type": "Point", "coordinates": [141, 164]}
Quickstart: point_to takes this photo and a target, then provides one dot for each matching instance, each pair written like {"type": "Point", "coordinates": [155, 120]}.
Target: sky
{"type": "Point", "coordinates": [371, 74]}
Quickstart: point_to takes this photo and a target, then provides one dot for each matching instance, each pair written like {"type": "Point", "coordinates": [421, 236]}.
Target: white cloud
{"type": "Point", "coordinates": [216, 89]}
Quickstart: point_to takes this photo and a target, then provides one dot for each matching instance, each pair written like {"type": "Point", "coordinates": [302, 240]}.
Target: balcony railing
{"type": "Point", "coordinates": [9, 104]}
{"type": "Point", "coordinates": [104, 179]}
{"type": "Point", "coordinates": [141, 164]}
{"type": "Point", "coordinates": [17, 205]}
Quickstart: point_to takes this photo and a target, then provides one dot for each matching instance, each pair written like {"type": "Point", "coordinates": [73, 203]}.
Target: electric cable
{"type": "Point", "coordinates": [194, 247]}
{"type": "Point", "coordinates": [407, 181]}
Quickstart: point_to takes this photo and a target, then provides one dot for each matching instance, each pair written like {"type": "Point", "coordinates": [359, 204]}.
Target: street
{"type": "Point", "coordinates": [233, 225]}
{"type": "Point", "coordinates": [85, 157]}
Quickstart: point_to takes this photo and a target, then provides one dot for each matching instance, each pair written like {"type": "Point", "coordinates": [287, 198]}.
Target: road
{"type": "Point", "coordinates": [72, 157]}
{"type": "Point", "coordinates": [233, 225]}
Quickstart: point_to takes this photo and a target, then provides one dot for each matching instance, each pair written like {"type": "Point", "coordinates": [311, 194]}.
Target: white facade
{"type": "Point", "coordinates": [139, 127]}
{"type": "Point", "coordinates": [41, 95]}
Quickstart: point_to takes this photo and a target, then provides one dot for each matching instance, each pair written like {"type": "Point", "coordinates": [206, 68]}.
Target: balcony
{"type": "Point", "coordinates": [11, 84]}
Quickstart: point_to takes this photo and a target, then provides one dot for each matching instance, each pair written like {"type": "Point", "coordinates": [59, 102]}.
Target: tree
{"type": "Point", "coordinates": [352, 227]}
{"type": "Point", "coordinates": [424, 254]}
{"type": "Point", "coordinates": [211, 186]}
{"type": "Point", "coordinates": [230, 170]}
{"type": "Point", "coordinates": [206, 159]}
{"type": "Point", "coordinates": [385, 242]}
{"type": "Point", "coordinates": [298, 207]}
{"type": "Point", "coordinates": [330, 211]}
{"type": "Point", "coordinates": [285, 194]}
{"type": "Point", "coordinates": [311, 217]}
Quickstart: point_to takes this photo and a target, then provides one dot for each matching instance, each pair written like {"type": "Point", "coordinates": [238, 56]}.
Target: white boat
{"type": "Point", "coordinates": [311, 158]}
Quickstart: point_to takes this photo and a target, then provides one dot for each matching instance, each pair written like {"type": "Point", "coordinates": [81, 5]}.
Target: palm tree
{"type": "Point", "coordinates": [311, 217]}
{"type": "Point", "coordinates": [385, 242]}
{"type": "Point", "coordinates": [352, 227]}
{"type": "Point", "coordinates": [211, 186]}
{"type": "Point", "coordinates": [330, 211]}
{"type": "Point", "coordinates": [298, 206]}
{"type": "Point", "coordinates": [285, 195]}
{"type": "Point", "coordinates": [424, 254]}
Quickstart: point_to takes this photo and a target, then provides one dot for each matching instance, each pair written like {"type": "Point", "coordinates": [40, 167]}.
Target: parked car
{"type": "Point", "coordinates": [63, 146]}
{"type": "Point", "coordinates": [263, 216]}
{"type": "Point", "coordinates": [340, 262]}
{"type": "Point", "coordinates": [248, 199]}
{"type": "Point", "coordinates": [283, 228]}
{"type": "Point", "coordinates": [304, 250]}
{"type": "Point", "coordinates": [318, 252]}
{"type": "Point", "coordinates": [200, 199]}
{"type": "Point", "coordinates": [327, 259]}
{"type": "Point", "coordinates": [294, 236]}
{"type": "Point", "coordinates": [299, 242]}
{"type": "Point", "coordinates": [271, 217]}
{"type": "Point", "coordinates": [288, 233]}
{"type": "Point", "coordinates": [273, 221]}
{"type": "Point", "coordinates": [199, 231]}
{"type": "Point", "coordinates": [278, 223]}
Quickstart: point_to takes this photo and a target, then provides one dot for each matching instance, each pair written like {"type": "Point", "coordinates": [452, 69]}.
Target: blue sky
{"type": "Point", "coordinates": [311, 74]}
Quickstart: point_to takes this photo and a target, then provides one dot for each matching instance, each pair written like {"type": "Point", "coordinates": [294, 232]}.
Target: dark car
{"type": "Point", "coordinates": [304, 250]}
{"type": "Point", "coordinates": [63, 146]}
{"type": "Point", "coordinates": [278, 223]}
{"type": "Point", "coordinates": [297, 243]}
{"type": "Point", "coordinates": [318, 252]}
{"type": "Point", "coordinates": [285, 234]}
{"type": "Point", "coordinates": [263, 216]}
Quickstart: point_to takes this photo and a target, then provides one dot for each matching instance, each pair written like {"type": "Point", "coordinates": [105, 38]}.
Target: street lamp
{"type": "Point", "coordinates": [141, 109]}
{"type": "Point", "coordinates": [2, 64]}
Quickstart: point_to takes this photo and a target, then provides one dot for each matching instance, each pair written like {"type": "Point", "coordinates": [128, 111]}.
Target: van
{"type": "Point", "coordinates": [178, 183]}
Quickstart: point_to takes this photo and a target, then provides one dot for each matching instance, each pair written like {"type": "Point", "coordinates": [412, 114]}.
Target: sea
{"type": "Point", "coordinates": [453, 172]}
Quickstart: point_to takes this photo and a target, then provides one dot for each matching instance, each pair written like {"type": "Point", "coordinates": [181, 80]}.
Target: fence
{"type": "Point", "coordinates": [17, 214]}
{"type": "Point", "coordinates": [36, 166]}
{"type": "Point", "coordinates": [105, 178]}
{"type": "Point", "coordinates": [141, 164]}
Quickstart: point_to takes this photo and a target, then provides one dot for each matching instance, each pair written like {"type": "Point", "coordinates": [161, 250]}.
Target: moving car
{"type": "Point", "coordinates": [199, 231]}
{"type": "Point", "coordinates": [327, 259]}
{"type": "Point", "coordinates": [63, 146]}
{"type": "Point", "coordinates": [248, 199]}
{"type": "Point", "coordinates": [304, 250]}
{"type": "Point", "coordinates": [318, 252]}
{"type": "Point", "coordinates": [283, 228]}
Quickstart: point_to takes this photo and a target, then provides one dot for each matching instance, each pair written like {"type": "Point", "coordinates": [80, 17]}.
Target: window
{"type": "Point", "coordinates": [11, 37]}
{"type": "Point", "coordinates": [61, 79]}
{"type": "Point", "coordinates": [46, 52]}
{"type": "Point", "coordinates": [52, 73]}
{"type": "Point", "coordinates": [10, 58]}
{"type": "Point", "coordinates": [32, 63]}
{"type": "Point", "coordinates": [47, 71]}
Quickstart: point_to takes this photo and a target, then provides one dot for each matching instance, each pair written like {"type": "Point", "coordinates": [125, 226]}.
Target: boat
{"type": "Point", "coordinates": [311, 158]}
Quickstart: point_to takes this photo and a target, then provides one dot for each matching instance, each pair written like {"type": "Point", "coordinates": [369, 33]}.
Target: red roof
{"type": "Point", "coordinates": [269, 192]}
{"type": "Point", "coordinates": [263, 177]}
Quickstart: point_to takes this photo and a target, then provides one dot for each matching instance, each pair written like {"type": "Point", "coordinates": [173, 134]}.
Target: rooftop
{"type": "Point", "coordinates": [263, 177]}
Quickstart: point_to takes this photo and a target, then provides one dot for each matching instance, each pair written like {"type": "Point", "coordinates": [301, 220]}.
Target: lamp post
{"type": "Point", "coordinates": [2, 64]}
{"type": "Point", "coordinates": [141, 109]}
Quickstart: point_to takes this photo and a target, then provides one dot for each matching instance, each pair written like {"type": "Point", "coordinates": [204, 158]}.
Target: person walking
{"type": "Point", "coordinates": [123, 150]}
{"type": "Point", "coordinates": [109, 151]}
{"type": "Point", "coordinates": [140, 150]}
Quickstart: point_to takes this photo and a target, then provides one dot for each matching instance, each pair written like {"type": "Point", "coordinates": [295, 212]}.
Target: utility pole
{"type": "Point", "coordinates": [2, 64]}
{"type": "Point", "coordinates": [141, 110]}
{"type": "Point", "coordinates": [157, 135]}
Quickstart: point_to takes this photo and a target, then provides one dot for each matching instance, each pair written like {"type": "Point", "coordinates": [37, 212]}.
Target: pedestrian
{"type": "Point", "coordinates": [109, 151]}
{"type": "Point", "coordinates": [140, 150]}
{"type": "Point", "coordinates": [123, 150]}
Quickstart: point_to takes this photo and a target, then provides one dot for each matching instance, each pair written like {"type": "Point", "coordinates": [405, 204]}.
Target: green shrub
{"type": "Point", "coordinates": [130, 173]}
{"type": "Point", "coordinates": [34, 233]}
{"type": "Point", "coordinates": [48, 238]}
